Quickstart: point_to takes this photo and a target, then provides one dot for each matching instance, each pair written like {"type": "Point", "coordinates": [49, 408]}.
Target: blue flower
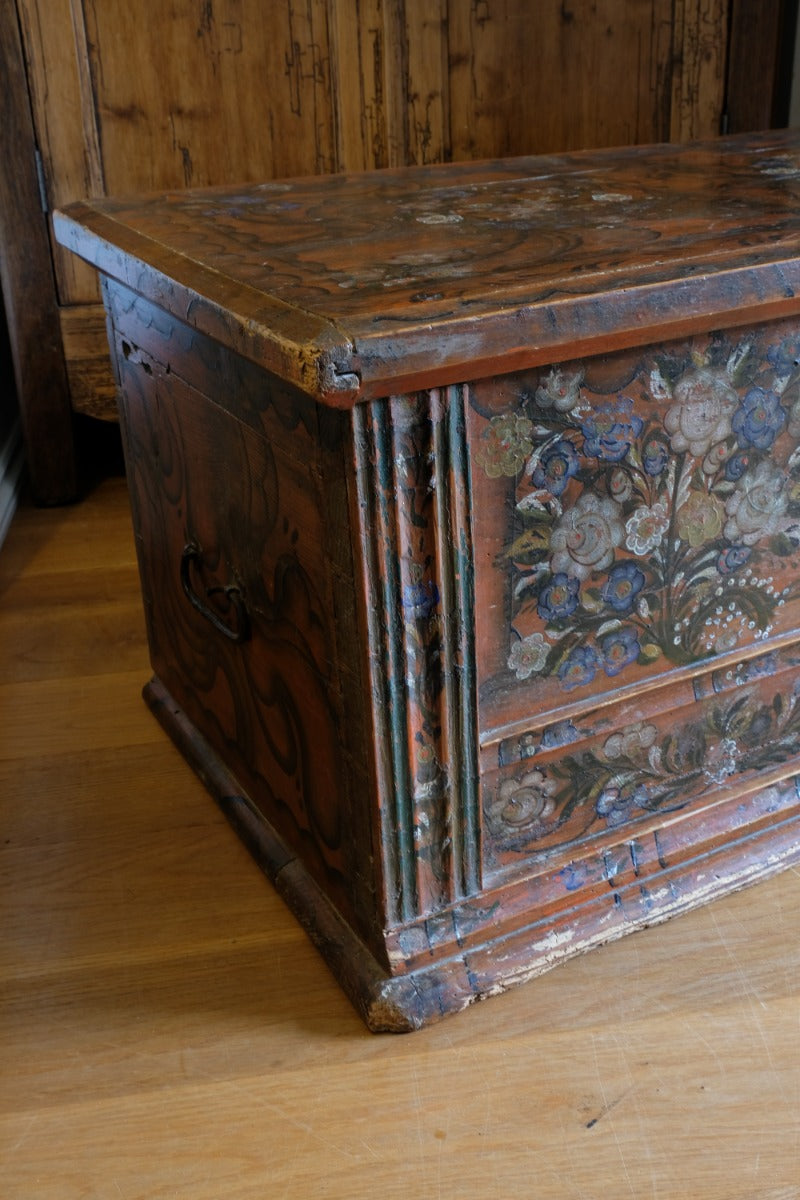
{"type": "Point", "coordinates": [574, 876]}
{"type": "Point", "coordinates": [785, 357]}
{"type": "Point", "coordinates": [559, 597]}
{"type": "Point", "coordinates": [579, 668]}
{"type": "Point", "coordinates": [420, 599]}
{"type": "Point", "coordinates": [732, 558]}
{"type": "Point", "coordinates": [609, 431]}
{"type": "Point", "coordinates": [560, 734]}
{"type": "Point", "coordinates": [623, 585]}
{"type": "Point", "coordinates": [655, 456]}
{"type": "Point", "coordinates": [558, 463]}
{"type": "Point", "coordinates": [619, 650]}
{"type": "Point", "coordinates": [736, 465]}
{"type": "Point", "coordinates": [615, 803]}
{"type": "Point", "coordinates": [759, 418]}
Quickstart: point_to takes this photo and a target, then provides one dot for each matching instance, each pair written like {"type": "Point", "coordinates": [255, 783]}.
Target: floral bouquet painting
{"type": "Point", "coordinates": [660, 520]}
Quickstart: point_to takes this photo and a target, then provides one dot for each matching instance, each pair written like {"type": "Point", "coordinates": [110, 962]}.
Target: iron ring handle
{"type": "Point", "coordinates": [239, 630]}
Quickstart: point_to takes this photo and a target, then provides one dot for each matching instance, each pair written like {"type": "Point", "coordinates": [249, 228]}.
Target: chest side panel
{"type": "Point", "coordinates": [240, 517]}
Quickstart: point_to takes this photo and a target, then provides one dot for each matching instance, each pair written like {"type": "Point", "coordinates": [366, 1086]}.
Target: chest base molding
{"type": "Point", "coordinates": [627, 886]}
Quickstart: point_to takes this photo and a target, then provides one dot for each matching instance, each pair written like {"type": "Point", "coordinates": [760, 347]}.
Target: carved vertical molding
{"type": "Point", "coordinates": [456, 581]}
{"type": "Point", "coordinates": [414, 503]}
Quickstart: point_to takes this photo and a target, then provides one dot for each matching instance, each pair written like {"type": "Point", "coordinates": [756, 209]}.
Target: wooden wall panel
{"type": "Point", "coordinates": [557, 76]}
{"type": "Point", "coordinates": [359, 79]}
{"type": "Point", "coordinates": [762, 39]}
{"type": "Point", "coordinates": [389, 63]}
{"type": "Point", "coordinates": [700, 56]}
{"type": "Point", "coordinates": [425, 82]}
{"type": "Point", "coordinates": [200, 92]}
{"type": "Point", "coordinates": [65, 120]}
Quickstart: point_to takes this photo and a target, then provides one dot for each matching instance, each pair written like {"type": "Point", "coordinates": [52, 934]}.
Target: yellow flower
{"type": "Point", "coordinates": [505, 445]}
{"type": "Point", "coordinates": [700, 519]}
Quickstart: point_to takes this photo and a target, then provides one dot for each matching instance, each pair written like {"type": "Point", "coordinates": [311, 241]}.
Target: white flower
{"type": "Point", "coordinates": [640, 736]}
{"type": "Point", "coordinates": [559, 391]}
{"type": "Point", "coordinates": [586, 536]}
{"type": "Point", "coordinates": [526, 801]}
{"type": "Point", "coordinates": [701, 413]}
{"type": "Point", "coordinates": [757, 507]}
{"type": "Point", "coordinates": [646, 527]}
{"type": "Point", "coordinates": [721, 760]}
{"type": "Point", "coordinates": [528, 655]}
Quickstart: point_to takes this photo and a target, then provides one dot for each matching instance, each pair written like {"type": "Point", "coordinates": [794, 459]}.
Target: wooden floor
{"type": "Point", "coordinates": [167, 1030]}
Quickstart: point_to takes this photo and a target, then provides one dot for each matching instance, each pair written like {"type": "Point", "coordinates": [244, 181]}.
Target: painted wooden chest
{"type": "Point", "coordinates": [467, 500]}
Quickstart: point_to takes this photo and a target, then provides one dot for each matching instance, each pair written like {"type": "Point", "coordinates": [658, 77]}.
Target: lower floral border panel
{"type": "Point", "coordinates": [623, 764]}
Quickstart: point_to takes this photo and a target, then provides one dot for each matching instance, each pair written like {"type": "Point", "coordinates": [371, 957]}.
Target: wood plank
{"type": "Point", "coordinates": [65, 121]}
{"type": "Point", "coordinates": [91, 382]}
{"type": "Point", "coordinates": [359, 83]}
{"type": "Point", "coordinates": [71, 714]}
{"type": "Point", "coordinates": [29, 294]}
{"type": "Point", "coordinates": [760, 48]}
{"type": "Point", "coordinates": [533, 79]}
{"type": "Point", "coordinates": [700, 44]}
{"type": "Point", "coordinates": [423, 75]}
{"type": "Point", "coordinates": [159, 86]}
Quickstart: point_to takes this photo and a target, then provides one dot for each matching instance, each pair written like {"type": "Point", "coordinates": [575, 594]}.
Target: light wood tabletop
{"type": "Point", "coordinates": [168, 1031]}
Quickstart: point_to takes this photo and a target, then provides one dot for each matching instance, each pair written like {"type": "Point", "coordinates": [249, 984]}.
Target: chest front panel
{"type": "Point", "coordinates": [637, 547]}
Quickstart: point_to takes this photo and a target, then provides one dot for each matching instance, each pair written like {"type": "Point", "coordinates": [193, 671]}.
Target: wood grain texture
{"type": "Point", "coordinates": [355, 286]}
{"type": "Point", "coordinates": [701, 36]}
{"type": "Point", "coordinates": [151, 977]}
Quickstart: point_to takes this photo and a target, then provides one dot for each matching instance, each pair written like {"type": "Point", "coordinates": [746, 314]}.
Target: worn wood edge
{"type": "Point", "coordinates": [341, 368]}
{"type": "Point", "coordinates": [735, 866]}
{"type": "Point", "coordinates": [408, 1001]}
{"type": "Point", "coordinates": [372, 358]}
{"type": "Point", "coordinates": [301, 347]}
{"type": "Point", "coordinates": [571, 327]}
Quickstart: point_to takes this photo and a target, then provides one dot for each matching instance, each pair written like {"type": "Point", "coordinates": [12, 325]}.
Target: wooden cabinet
{"type": "Point", "coordinates": [111, 98]}
{"type": "Point", "coordinates": [467, 500]}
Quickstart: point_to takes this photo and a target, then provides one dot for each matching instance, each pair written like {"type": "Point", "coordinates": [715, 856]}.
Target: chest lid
{"type": "Point", "coordinates": [357, 286]}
